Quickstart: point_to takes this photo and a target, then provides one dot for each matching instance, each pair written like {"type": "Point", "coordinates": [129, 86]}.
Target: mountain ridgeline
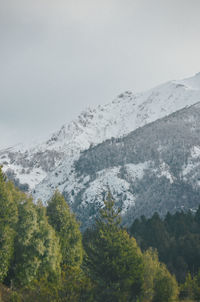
{"type": "Point", "coordinates": [144, 148]}
{"type": "Point", "coordinates": [166, 156]}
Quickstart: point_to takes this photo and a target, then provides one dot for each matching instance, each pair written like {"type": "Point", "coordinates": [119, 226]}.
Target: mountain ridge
{"type": "Point", "coordinates": [47, 166]}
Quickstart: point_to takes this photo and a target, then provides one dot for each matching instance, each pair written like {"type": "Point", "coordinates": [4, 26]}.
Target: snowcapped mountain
{"type": "Point", "coordinates": [154, 168]}
{"type": "Point", "coordinates": [53, 164]}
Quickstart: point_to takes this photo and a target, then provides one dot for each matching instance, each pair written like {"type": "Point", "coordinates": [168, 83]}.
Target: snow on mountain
{"type": "Point", "coordinates": [193, 82]}
{"type": "Point", "coordinates": [49, 165]}
{"type": "Point", "coordinates": [126, 113]}
{"type": "Point", "coordinates": [153, 168]}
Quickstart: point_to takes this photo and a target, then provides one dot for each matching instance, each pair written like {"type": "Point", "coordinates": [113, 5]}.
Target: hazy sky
{"type": "Point", "coordinates": [59, 56]}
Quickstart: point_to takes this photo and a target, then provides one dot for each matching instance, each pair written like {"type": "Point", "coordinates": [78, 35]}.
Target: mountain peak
{"type": "Point", "coordinates": [192, 82]}
{"type": "Point", "coordinates": [127, 112]}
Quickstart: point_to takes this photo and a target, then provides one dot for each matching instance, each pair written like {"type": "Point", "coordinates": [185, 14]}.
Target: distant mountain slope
{"type": "Point", "coordinates": [50, 165]}
{"type": "Point", "coordinates": [154, 168]}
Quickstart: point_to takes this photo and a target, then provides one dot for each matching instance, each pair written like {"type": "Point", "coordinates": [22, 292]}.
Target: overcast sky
{"type": "Point", "coordinates": [58, 57]}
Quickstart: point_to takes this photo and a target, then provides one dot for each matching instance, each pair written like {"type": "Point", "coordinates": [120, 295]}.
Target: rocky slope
{"type": "Point", "coordinates": [59, 163]}
{"type": "Point", "coordinates": [154, 168]}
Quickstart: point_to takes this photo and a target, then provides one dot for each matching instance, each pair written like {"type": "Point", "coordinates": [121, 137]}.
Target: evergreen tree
{"type": "Point", "coordinates": [48, 247]}
{"type": "Point", "coordinates": [8, 219]}
{"type": "Point", "coordinates": [6, 250]}
{"type": "Point", "coordinates": [8, 209]}
{"type": "Point", "coordinates": [165, 286]}
{"type": "Point", "coordinates": [191, 288]}
{"type": "Point", "coordinates": [151, 266]}
{"type": "Point", "coordinates": [159, 284]}
{"type": "Point", "coordinates": [37, 250]}
{"type": "Point", "coordinates": [26, 262]}
{"type": "Point", "coordinates": [113, 259]}
{"type": "Point", "coordinates": [67, 230]}
{"type": "Point", "coordinates": [187, 289]}
{"type": "Point", "coordinates": [177, 239]}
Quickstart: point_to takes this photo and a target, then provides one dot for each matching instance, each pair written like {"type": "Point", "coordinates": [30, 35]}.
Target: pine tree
{"type": "Point", "coordinates": [8, 209]}
{"type": "Point", "coordinates": [67, 230]}
{"type": "Point", "coordinates": [37, 250]}
{"type": "Point", "coordinates": [113, 259]}
{"type": "Point", "coordinates": [151, 266]}
{"type": "Point", "coordinates": [191, 288]}
{"type": "Point", "coordinates": [6, 250]}
{"type": "Point", "coordinates": [165, 286]}
{"type": "Point", "coordinates": [26, 262]}
{"type": "Point", "coordinates": [49, 248]}
{"type": "Point", "coordinates": [159, 284]}
{"type": "Point", "coordinates": [8, 219]}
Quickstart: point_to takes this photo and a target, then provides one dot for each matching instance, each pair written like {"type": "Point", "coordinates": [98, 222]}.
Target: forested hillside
{"type": "Point", "coordinates": [176, 238]}
{"type": "Point", "coordinates": [44, 256]}
{"type": "Point", "coordinates": [154, 168]}
{"type": "Point", "coordinates": [146, 140]}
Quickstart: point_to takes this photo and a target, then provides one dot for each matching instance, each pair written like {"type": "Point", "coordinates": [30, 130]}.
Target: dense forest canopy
{"type": "Point", "coordinates": [45, 257]}
{"type": "Point", "coordinates": [176, 238]}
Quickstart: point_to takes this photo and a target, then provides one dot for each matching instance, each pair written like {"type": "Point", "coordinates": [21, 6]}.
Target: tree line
{"type": "Point", "coordinates": [44, 256]}
{"type": "Point", "coordinates": [176, 238]}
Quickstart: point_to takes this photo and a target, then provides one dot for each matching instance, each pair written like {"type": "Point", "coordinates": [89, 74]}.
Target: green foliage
{"type": "Point", "coordinates": [6, 250]}
{"type": "Point", "coordinates": [8, 209]}
{"type": "Point", "coordinates": [177, 239]}
{"type": "Point", "coordinates": [110, 218]}
{"type": "Point", "coordinates": [187, 289]}
{"type": "Point", "coordinates": [8, 219]}
{"type": "Point", "coordinates": [165, 286]}
{"type": "Point", "coordinates": [37, 250]}
{"type": "Point", "coordinates": [191, 288]}
{"type": "Point", "coordinates": [159, 284]}
{"type": "Point", "coordinates": [27, 261]}
{"type": "Point", "coordinates": [40, 290]}
{"type": "Point", "coordinates": [113, 260]}
{"type": "Point", "coordinates": [41, 253]}
{"type": "Point", "coordinates": [67, 229]}
{"type": "Point", "coordinates": [15, 297]}
{"type": "Point", "coordinates": [5, 293]}
{"type": "Point", "coordinates": [48, 246]}
{"type": "Point", "coordinates": [75, 286]}
{"type": "Point", "coordinates": [151, 267]}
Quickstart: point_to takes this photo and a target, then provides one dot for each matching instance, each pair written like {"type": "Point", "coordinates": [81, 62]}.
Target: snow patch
{"type": "Point", "coordinates": [108, 179]}
{"type": "Point", "coordinates": [195, 152]}
{"type": "Point", "coordinates": [136, 171]}
{"type": "Point", "coordinates": [93, 126]}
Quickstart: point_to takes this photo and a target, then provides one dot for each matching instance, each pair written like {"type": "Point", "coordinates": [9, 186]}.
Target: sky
{"type": "Point", "coordinates": [58, 57]}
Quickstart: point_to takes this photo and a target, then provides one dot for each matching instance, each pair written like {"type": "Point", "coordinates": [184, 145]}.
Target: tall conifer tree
{"type": "Point", "coordinates": [8, 219]}
{"type": "Point", "coordinates": [67, 230]}
{"type": "Point", "coordinates": [37, 250]}
{"type": "Point", "coordinates": [114, 260]}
